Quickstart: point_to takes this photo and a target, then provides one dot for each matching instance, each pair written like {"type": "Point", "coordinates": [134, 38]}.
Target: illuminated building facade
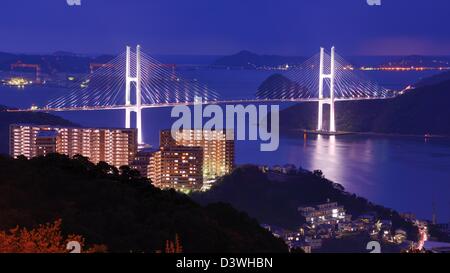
{"type": "Point", "coordinates": [46, 142]}
{"type": "Point", "coordinates": [177, 167]}
{"type": "Point", "coordinates": [142, 161]}
{"type": "Point", "coordinates": [116, 147]}
{"type": "Point", "coordinates": [218, 152]}
{"type": "Point", "coordinates": [329, 213]}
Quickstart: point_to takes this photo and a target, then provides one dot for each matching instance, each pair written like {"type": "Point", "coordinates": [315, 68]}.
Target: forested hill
{"type": "Point", "coordinates": [118, 209]}
{"type": "Point", "coordinates": [420, 111]}
{"type": "Point", "coordinates": [276, 202]}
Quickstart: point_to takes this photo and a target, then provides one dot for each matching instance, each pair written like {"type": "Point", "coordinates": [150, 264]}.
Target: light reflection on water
{"type": "Point", "coordinates": [403, 173]}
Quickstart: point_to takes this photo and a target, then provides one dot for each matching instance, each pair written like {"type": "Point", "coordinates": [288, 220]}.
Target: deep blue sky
{"type": "Point", "coordinates": [286, 27]}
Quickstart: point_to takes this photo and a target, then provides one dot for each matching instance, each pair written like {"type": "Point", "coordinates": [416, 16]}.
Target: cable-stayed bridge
{"type": "Point", "coordinates": [134, 81]}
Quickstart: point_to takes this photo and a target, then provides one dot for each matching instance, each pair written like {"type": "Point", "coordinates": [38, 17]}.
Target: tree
{"type": "Point", "coordinates": [46, 238]}
{"type": "Point", "coordinates": [174, 247]}
{"type": "Point", "coordinates": [105, 168]}
{"type": "Point", "coordinates": [128, 173]}
{"type": "Point", "coordinates": [318, 173]}
{"type": "Point", "coordinates": [126, 214]}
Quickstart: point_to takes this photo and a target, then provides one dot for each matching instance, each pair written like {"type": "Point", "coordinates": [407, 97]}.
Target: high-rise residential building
{"type": "Point", "coordinates": [46, 142]}
{"type": "Point", "coordinates": [177, 167]}
{"type": "Point", "coordinates": [141, 161]}
{"type": "Point", "coordinates": [114, 146]}
{"type": "Point", "coordinates": [218, 152]}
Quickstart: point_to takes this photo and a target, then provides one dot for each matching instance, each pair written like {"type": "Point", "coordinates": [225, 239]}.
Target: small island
{"type": "Point", "coordinates": [420, 111]}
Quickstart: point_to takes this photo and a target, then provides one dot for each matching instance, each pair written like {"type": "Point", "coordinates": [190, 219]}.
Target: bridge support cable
{"type": "Point", "coordinates": [325, 77]}
{"type": "Point", "coordinates": [131, 81]}
{"type": "Point", "coordinates": [99, 89]}
{"type": "Point", "coordinates": [302, 82]}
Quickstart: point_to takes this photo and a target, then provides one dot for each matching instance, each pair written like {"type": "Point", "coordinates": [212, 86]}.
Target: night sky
{"type": "Point", "coordinates": [285, 27]}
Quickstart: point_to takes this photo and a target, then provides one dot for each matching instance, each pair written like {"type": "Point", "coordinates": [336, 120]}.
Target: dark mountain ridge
{"type": "Point", "coordinates": [276, 202]}
{"type": "Point", "coordinates": [417, 112]}
{"type": "Point", "coordinates": [51, 63]}
{"type": "Point", "coordinates": [250, 60]}
{"type": "Point", "coordinates": [118, 209]}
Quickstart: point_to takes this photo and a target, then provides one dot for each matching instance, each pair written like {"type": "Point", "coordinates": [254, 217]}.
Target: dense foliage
{"type": "Point", "coordinates": [118, 209]}
{"type": "Point", "coordinates": [275, 200]}
{"type": "Point", "coordinates": [46, 238]}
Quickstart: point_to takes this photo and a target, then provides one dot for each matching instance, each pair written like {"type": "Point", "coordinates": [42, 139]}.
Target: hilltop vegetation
{"type": "Point", "coordinates": [118, 209]}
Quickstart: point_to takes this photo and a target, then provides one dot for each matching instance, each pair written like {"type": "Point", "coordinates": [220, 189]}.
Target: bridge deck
{"type": "Point", "coordinates": [172, 104]}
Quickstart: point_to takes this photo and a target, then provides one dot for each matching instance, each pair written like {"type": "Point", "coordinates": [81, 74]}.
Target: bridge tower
{"type": "Point", "coordinates": [137, 106]}
{"type": "Point", "coordinates": [330, 100]}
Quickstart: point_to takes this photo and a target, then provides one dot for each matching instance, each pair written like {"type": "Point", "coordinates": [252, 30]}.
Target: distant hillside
{"type": "Point", "coordinates": [120, 210]}
{"type": "Point", "coordinates": [58, 62]}
{"type": "Point", "coordinates": [420, 111]}
{"type": "Point", "coordinates": [277, 84]}
{"type": "Point", "coordinates": [249, 60]}
{"type": "Point", "coordinates": [7, 118]}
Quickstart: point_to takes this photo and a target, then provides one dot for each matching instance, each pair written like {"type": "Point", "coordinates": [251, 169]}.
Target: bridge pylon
{"type": "Point", "coordinates": [330, 100]}
{"type": "Point", "coordinates": [137, 106]}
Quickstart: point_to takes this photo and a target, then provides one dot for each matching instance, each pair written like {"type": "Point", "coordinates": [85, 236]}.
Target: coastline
{"type": "Point", "coordinates": [343, 133]}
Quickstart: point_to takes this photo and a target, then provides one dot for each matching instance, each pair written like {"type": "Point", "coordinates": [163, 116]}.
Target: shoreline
{"type": "Point", "coordinates": [345, 133]}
